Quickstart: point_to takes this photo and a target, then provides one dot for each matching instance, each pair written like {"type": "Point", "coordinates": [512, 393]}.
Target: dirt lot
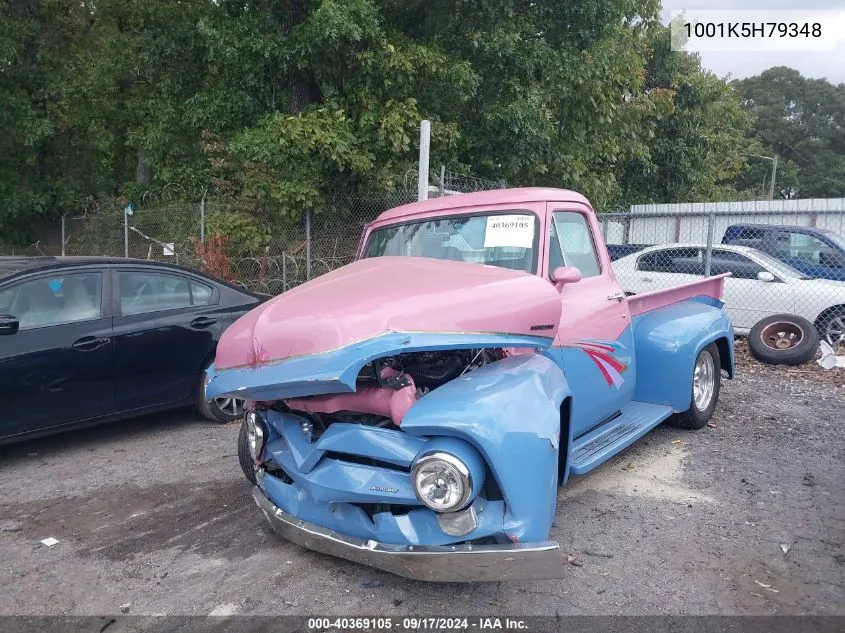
{"type": "Point", "coordinates": [154, 517]}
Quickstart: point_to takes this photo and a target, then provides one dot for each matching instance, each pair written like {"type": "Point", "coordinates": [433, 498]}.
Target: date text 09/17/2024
{"type": "Point", "coordinates": [411, 623]}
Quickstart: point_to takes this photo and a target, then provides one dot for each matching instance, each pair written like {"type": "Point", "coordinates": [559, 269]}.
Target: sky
{"type": "Point", "coordinates": [828, 65]}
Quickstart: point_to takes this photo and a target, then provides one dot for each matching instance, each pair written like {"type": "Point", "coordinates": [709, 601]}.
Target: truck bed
{"type": "Point", "coordinates": [708, 287]}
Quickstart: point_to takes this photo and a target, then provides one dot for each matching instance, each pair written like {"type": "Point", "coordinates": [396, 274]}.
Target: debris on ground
{"type": "Point", "coordinates": [124, 608]}
{"type": "Point", "coordinates": [829, 359]}
{"type": "Point", "coordinates": [785, 547]}
{"type": "Point", "coordinates": [50, 541]}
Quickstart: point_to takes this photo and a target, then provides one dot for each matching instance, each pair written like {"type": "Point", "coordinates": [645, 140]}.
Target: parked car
{"type": "Point", "coordinates": [814, 252]}
{"type": "Point", "coordinates": [416, 409]}
{"type": "Point", "coordinates": [759, 287]}
{"type": "Point", "coordinates": [87, 340]}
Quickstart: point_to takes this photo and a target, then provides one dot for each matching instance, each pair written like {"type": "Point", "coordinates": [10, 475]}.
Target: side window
{"type": "Point", "coordinates": [200, 293]}
{"type": "Point", "coordinates": [806, 247]}
{"type": "Point", "coordinates": [686, 261]}
{"type": "Point", "coordinates": [152, 292]}
{"type": "Point", "coordinates": [54, 300]}
{"type": "Point", "coordinates": [572, 242]}
{"type": "Point", "coordinates": [740, 266]}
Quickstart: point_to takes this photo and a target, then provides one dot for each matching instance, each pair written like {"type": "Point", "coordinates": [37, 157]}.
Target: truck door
{"type": "Point", "coordinates": [594, 344]}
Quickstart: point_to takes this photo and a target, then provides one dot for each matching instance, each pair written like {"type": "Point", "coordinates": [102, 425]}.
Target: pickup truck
{"type": "Point", "coordinates": [817, 253]}
{"type": "Point", "coordinates": [417, 409]}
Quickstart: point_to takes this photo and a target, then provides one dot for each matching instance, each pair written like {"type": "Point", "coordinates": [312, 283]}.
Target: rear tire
{"type": "Point", "coordinates": [783, 339]}
{"type": "Point", "coordinates": [223, 410]}
{"type": "Point", "coordinates": [244, 458]}
{"type": "Point", "coordinates": [706, 383]}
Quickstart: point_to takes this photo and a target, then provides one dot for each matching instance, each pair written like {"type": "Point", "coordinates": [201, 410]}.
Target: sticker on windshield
{"type": "Point", "coordinates": [509, 230]}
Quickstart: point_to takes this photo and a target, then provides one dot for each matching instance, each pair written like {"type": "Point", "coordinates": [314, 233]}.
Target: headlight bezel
{"type": "Point", "coordinates": [455, 467]}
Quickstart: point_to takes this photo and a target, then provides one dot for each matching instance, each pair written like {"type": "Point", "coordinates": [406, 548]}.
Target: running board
{"type": "Point", "coordinates": [599, 445]}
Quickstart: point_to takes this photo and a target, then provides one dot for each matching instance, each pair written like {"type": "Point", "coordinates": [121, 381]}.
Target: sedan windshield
{"type": "Point", "coordinates": [506, 239]}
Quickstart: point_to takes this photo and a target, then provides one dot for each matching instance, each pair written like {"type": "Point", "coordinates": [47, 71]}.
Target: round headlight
{"type": "Point", "coordinates": [442, 482]}
{"type": "Point", "coordinates": [254, 435]}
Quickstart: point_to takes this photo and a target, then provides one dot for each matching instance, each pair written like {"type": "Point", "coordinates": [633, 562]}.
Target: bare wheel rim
{"type": "Point", "coordinates": [703, 381]}
{"type": "Point", "coordinates": [835, 331]}
{"type": "Point", "coordinates": [782, 335]}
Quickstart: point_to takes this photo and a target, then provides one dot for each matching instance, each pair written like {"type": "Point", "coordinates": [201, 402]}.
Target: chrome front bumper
{"type": "Point", "coordinates": [442, 563]}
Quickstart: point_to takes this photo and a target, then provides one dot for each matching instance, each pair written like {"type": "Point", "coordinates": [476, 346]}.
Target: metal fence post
{"type": "Point", "coordinates": [307, 244]}
{"type": "Point", "coordinates": [284, 273]}
{"type": "Point", "coordinates": [63, 235]}
{"type": "Point", "coordinates": [127, 211]}
{"type": "Point", "coordinates": [422, 174]}
{"type": "Point", "coordinates": [711, 225]}
{"type": "Point", "coordinates": [202, 217]}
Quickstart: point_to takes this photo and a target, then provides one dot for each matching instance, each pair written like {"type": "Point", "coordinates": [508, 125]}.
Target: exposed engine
{"type": "Point", "coordinates": [388, 387]}
{"type": "Point", "coordinates": [428, 370]}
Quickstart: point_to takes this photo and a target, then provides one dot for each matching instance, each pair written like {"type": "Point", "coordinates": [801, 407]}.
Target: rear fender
{"type": "Point", "coordinates": [510, 411]}
{"type": "Point", "coordinates": [667, 341]}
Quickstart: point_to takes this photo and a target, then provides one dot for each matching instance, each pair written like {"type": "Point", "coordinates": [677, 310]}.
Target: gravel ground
{"type": "Point", "coordinates": [154, 517]}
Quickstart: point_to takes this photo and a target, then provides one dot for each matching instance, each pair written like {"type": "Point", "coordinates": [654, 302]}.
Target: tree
{"type": "Point", "coordinates": [802, 120]}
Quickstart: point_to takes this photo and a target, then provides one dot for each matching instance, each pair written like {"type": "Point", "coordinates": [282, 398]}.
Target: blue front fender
{"type": "Point", "coordinates": [510, 411]}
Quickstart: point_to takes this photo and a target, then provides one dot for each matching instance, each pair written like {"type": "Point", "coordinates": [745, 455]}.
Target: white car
{"type": "Point", "coordinates": [760, 285]}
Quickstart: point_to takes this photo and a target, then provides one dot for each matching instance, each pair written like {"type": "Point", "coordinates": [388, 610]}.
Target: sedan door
{"type": "Point", "coordinates": [665, 268]}
{"type": "Point", "coordinates": [748, 299]}
{"type": "Point", "coordinates": [167, 326]}
{"type": "Point", "coordinates": [57, 369]}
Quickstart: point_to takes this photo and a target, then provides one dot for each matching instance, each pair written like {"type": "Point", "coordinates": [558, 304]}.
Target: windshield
{"type": "Point", "coordinates": [835, 238]}
{"type": "Point", "coordinates": [506, 239]}
{"type": "Point", "coordinates": [777, 266]}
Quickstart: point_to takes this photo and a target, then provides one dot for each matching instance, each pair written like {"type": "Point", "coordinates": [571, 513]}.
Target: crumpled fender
{"type": "Point", "coordinates": [510, 411]}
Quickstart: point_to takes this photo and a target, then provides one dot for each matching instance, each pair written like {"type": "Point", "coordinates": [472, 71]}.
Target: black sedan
{"type": "Point", "coordinates": [85, 340]}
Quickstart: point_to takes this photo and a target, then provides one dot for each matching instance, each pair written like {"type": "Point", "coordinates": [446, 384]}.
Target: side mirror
{"type": "Point", "coordinates": [565, 275]}
{"type": "Point", "coordinates": [765, 275]}
{"type": "Point", "coordinates": [8, 324]}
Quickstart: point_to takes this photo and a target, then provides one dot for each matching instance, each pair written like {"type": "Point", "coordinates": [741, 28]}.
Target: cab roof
{"type": "Point", "coordinates": [483, 198]}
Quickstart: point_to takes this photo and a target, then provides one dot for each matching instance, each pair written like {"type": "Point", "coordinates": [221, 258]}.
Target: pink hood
{"type": "Point", "coordinates": [391, 294]}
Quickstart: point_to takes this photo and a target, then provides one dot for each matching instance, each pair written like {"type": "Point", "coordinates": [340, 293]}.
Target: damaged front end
{"type": "Point", "coordinates": [431, 455]}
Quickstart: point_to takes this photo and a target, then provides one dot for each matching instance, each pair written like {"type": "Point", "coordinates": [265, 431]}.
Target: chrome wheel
{"type": "Point", "coordinates": [835, 331]}
{"type": "Point", "coordinates": [230, 406]}
{"type": "Point", "coordinates": [703, 381]}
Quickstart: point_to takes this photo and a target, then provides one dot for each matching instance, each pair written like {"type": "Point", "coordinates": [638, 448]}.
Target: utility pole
{"type": "Point", "coordinates": [774, 175]}
{"type": "Point", "coordinates": [425, 146]}
{"type": "Point", "coordinates": [774, 160]}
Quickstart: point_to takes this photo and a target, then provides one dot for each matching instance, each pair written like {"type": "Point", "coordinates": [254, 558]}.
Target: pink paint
{"type": "Point", "coordinates": [646, 302]}
{"type": "Point", "coordinates": [370, 297]}
{"type": "Point", "coordinates": [390, 403]}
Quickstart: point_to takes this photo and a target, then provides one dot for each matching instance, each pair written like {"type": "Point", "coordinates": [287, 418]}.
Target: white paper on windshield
{"type": "Point", "coordinates": [509, 230]}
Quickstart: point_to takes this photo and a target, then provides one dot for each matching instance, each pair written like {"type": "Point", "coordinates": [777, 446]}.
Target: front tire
{"type": "Point", "coordinates": [706, 383]}
{"type": "Point", "coordinates": [244, 458]}
{"type": "Point", "coordinates": [223, 410]}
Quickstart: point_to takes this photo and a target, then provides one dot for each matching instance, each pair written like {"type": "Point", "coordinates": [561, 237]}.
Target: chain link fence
{"type": "Point", "coordinates": [780, 263]}
{"type": "Point", "coordinates": [241, 241]}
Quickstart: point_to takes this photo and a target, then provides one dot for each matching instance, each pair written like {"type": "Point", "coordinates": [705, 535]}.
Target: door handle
{"type": "Point", "coordinates": [619, 296]}
{"type": "Point", "coordinates": [201, 322]}
{"type": "Point", "coordinates": [88, 343]}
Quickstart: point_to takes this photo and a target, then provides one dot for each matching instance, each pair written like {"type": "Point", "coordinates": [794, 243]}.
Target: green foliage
{"type": "Point", "coordinates": [801, 120]}
{"type": "Point", "coordinates": [244, 234]}
{"type": "Point", "coordinates": [277, 103]}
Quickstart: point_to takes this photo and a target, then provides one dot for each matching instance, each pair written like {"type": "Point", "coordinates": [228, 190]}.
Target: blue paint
{"type": "Point", "coordinates": [510, 411]}
{"type": "Point", "coordinates": [367, 441]}
{"type": "Point", "coordinates": [337, 370]}
{"type": "Point", "coordinates": [417, 527]}
{"type": "Point", "coordinates": [502, 420]}
{"type": "Point", "coordinates": [600, 444]}
{"type": "Point", "coordinates": [668, 341]}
